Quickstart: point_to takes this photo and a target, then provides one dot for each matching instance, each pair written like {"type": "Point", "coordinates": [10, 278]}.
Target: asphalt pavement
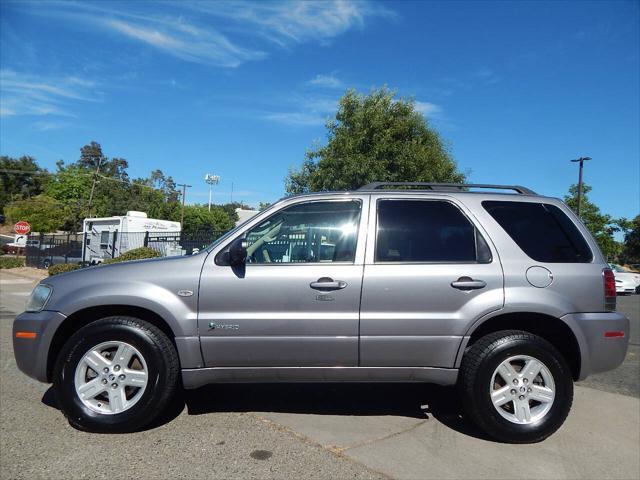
{"type": "Point", "coordinates": [315, 431]}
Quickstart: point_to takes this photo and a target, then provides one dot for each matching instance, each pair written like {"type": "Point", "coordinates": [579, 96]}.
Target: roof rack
{"type": "Point", "coordinates": [445, 187]}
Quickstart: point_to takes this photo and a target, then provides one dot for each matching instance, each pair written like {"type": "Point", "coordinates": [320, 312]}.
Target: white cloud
{"type": "Point", "coordinates": [186, 42]}
{"type": "Point", "coordinates": [6, 112]}
{"type": "Point", "coordinates": [326, 81]}
{"type": "Point", "coordinates": [23, 94]}
{"type": "Point", "coordinates": [47, 126]}
{"type": "Point", "coordinates": [297, 118]}
{"type": "Point", "coordinates": [305, 110]}
{"type": "Point", "coordinates": [297, 21]}
{"type": "Point", "coordinates": [428, 109]}
{"type": "Point", "coordinates": [192, 30]}
{"type": "Point", "coordinates": [486, 75]}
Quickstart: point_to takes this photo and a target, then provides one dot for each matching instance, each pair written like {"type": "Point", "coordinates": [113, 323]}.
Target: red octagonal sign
{"type": "Point", "coordinates": [22, 228]}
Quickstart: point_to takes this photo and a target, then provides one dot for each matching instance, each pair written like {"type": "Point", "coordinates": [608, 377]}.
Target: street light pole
{"type": "Point", "coordinates": [93, 186]}
{"type": "Point", "coordinates": [581, 160]}
{"type": "Point", "coordinates": [211, 180]}
{"type": "Point", "coordinates": [184, 194]}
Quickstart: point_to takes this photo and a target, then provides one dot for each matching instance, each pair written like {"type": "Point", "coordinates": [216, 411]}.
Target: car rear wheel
{"type": "Point", "coordinates": [516, 386]}
{"type": "Point", "coordinates": [116, 374]}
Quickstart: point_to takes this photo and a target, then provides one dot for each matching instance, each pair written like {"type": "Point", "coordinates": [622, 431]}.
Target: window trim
{"type": "Point", "coordinates": [290, 264]}
{"type": "Point", "coordinates": [477, 230]}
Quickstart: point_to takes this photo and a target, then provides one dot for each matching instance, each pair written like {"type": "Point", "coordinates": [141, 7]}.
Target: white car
{"type": "Point", "coordinates": [626, 282]}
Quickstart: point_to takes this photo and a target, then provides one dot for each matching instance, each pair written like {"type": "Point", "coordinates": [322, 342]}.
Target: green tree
{"type": "Point", "coordinates": [631, 249]}
{"type": "Point", "coordinates": [114, 192]}
{"type": "Point", "coordinates": [44, 214]}
{"type": "Point", "coordinates": [263, 205]}
{"type": "Point", "coordinates": [198, 218]}
{"type": "Point", "coordinates": [601, 225]}
{"type": "Point", "coordinates": [375, 137]}
{"type": "Point", "coordinates": [91, 156]}
{"type": "Point", "coordinates": [14, 184]}
{"type": "Point", "coordinates": [70, 187]}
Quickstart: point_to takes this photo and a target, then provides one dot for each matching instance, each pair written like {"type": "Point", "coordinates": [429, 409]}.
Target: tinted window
{"type": "Point", "coordinates": [306, 232]}
{"type": "Point", "coordinates": [541, 230]}
{"type": "Point", "coordinates": [427, 231]}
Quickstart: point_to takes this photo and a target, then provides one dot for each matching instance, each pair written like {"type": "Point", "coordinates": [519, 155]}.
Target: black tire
{"type": "Point", "coordinates": [479, 363]}
{"type": "Point", "coordinates": [163, 374]}
{"type": "Point", "coordinates": [46, 263]}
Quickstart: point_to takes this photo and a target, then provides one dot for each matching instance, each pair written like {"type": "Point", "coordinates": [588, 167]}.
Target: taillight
{"type": "Point", "coordinates": [609, 281]}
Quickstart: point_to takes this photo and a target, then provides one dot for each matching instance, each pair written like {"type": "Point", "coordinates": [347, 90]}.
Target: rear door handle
{"type": "Point", "coordinates": [326, 283]}
{"type": "Point", "coordinates": [468, 283]}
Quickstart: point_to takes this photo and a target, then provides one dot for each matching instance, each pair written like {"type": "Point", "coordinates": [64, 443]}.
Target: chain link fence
{"type": "Point", "coordinates": [42, 251]}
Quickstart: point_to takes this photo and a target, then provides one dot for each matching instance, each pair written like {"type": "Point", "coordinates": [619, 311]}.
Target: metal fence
{"type": "Point", "coordinates": [43, 251]}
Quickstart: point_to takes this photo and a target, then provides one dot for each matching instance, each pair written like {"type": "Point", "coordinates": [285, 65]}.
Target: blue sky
{"type": "Point", "coordinates": [242, 89]}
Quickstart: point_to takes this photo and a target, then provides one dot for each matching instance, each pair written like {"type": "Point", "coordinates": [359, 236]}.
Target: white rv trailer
{"type": "Point", "coordinates": [109, 237]}
{"type": "Point", "coordinates": [244, 215]}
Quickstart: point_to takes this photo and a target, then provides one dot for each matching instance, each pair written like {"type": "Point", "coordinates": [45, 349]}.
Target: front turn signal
{"type": "Point", "coordinates": [26, 334]}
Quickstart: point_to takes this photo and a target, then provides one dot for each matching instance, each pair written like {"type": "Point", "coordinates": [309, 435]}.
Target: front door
{"type": "Point", "coordinates": [429, 274]}
{"type": "Point", "coordinates": [297, 300]}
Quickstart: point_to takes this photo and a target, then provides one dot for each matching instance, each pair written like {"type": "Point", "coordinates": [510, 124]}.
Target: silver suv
{"type": "Point", "coordinates": [505, 295]}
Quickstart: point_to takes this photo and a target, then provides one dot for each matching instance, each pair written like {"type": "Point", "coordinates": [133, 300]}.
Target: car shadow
{"type": "Point", "coordinates": [412, 400]}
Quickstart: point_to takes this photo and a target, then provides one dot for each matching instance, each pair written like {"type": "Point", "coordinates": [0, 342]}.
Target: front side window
{"type": "Point", "coordinates": [427, 231]}
{"type": "Point", "coordinates": [306, 233]}
{"type": "Point", "coordinates": [542, 231]}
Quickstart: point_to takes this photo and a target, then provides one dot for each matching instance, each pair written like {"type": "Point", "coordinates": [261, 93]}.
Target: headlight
{"type": "Point", "coordinates": [38, 298]}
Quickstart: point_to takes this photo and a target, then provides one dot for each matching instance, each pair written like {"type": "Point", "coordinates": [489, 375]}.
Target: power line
{"type": "Point", "coordinates": [112, 179]}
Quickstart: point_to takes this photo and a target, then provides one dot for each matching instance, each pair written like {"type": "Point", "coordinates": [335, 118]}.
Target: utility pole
{"type": "Point", "coordinates": [184, 194]}
{"type": "Point", "coordinates": [581, 160]}
{"type": "Point", "coordinates": [93, 186]}
{"type": "Point", "coordinates": [211, 180]}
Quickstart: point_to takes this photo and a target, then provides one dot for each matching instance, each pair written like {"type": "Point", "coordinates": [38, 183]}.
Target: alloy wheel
{"type": "Point", "coordinates": [111, 377]}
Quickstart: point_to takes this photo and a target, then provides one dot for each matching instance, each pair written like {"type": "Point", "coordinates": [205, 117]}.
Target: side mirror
{"type": "Point", "coordinates": [237, 252]}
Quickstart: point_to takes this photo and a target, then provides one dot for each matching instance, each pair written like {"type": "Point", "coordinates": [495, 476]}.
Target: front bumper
{"type": "Point", "coordinates": [598, 351]}
{"type": "Point", "coordinates": [32, 353]}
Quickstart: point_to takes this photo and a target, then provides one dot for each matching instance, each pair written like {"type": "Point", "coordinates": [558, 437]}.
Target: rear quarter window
{"type": "Point", "coordinates": [541, 230]}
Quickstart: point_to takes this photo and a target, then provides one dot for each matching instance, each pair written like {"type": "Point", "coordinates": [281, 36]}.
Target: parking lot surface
{"type": "Point", "coordinates": [315, 431]}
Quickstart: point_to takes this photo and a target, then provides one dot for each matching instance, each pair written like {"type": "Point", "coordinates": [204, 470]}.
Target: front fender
{"type": "Point", "coordinates": [178, 312]}
{"type": "Point", "coordinates": [153, 285]}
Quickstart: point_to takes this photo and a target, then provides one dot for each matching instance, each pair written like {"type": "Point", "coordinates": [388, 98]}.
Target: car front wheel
{"type": "Point", "coordinates": [116, 374]}
{"type": "Point", "coordinates": [516, 386]}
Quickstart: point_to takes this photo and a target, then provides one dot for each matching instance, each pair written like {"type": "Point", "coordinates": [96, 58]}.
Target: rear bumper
{"type": "Point", "coordinates": [599, 352]}
{"type": "Point", "coordinates": [32, 353]}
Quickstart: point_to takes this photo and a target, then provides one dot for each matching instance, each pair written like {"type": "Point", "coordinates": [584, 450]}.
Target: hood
{"type": "Point", "coordinates": [135, 269]}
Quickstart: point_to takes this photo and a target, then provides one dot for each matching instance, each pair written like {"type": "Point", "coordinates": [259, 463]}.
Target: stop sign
{"type": "Point", "coordinates": [22, 228]}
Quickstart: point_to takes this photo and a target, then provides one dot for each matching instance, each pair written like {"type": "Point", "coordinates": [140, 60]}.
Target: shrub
{"type": "Point", "coordinates": [62, 268]}
{"type": "Point", "coordinates": [11, 262]}
{"type": "Point", "coordinates": [135, 254]}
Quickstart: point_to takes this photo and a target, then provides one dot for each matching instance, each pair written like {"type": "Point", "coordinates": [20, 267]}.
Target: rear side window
{"type": "Point", "coordinates": [541, 230]}
{"type": "Point", "coordinates": [427, 231]}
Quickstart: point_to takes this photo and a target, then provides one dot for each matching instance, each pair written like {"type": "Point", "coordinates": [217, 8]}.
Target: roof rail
{"type": "Point", "coordinates": [461, 187]}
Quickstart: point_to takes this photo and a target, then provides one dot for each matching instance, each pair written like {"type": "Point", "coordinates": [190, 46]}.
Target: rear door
{"type": "Point", "coordinates": [429, 271]}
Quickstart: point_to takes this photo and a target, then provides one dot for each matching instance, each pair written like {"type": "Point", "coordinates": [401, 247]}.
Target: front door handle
{"type": "Point", "coordinates": [326, 283]}
{"type": "Point", "coordinates": [468, 283]}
